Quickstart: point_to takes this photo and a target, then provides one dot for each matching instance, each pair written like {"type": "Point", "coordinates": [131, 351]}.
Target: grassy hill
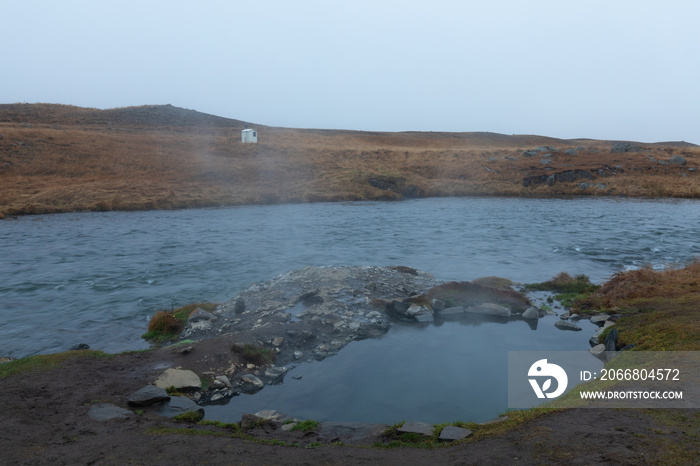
{"type": "Point", "coordinates": [57, 158]}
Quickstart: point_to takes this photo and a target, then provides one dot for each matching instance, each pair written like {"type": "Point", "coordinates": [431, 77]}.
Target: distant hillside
{"type": "Point", "coordinates": [60, 158]}
{"type": "Point", "coordinates": [143, 116]}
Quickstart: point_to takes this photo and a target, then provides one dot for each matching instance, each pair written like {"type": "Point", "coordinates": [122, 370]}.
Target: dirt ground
{"type": "Point", "coordinates": [45, 421]}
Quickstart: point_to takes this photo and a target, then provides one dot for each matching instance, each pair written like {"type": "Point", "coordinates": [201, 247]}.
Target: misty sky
{"type": "Point", "coordinates": [612, 69]}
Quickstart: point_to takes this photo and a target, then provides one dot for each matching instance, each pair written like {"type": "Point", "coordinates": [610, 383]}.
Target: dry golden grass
{"type": "Point", "coordinates": [660, 309]}
{"type": "Point", "coordinates": [56, 158]}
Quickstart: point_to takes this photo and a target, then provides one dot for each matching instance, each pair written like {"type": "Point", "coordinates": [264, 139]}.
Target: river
{"type": "Point", "coordinates": [96, 278]}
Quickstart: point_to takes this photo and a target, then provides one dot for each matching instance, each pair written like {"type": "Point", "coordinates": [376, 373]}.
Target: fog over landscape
{"type": "Point", "coordinates": [624, 70]}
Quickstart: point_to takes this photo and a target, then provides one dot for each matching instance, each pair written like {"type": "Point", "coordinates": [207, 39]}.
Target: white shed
{"type": "Point", "coordinates": [249, 135]}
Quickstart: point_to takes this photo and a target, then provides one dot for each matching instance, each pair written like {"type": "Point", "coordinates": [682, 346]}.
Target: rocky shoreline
{"type": "Point", "coordinates": [310, 314]}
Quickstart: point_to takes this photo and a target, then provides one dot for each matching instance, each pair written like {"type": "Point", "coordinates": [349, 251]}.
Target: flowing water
{"type": "Point", "coordinates": [96, 278]}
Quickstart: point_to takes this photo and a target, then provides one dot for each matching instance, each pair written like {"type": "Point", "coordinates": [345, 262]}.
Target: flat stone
{"type": "Point", "coordinates": [599, 318]}
{"type": "Point", "coordinates": [531, 313]}
{"type": "Point", "coordinates": [107, 411]}
{"type": "Point", "coordinates": [181, 379]}
{"type": "Point", "coordinates": [489, 309]}
{"type": "Point", "coordinates": [414, 427]}
{"type": "Point", "coordinates": [250, 379]}
{"type": "Point", "coordinates": [450, 312]}
{"type": "Point", "coordinates": [275, 372]}
{"type": "Point", "coordinates": [564, 325]}
{"type": "Point", "coordinates": [178, 405]}
{"type": "Point", "coordinates": [148, 395]}
{"type": "Point", "coordinates": [353, 432]}
{"type": "Point", "coordinates": [415, 309]}
{"type": "Point", "coordinates": [452, 433]}
{"type": "Point", "coordinates": [289, 426]}
{"type": "Point", "coordinates": [425, 317]}
{"type": "Point", "coordinates": [599, 352]}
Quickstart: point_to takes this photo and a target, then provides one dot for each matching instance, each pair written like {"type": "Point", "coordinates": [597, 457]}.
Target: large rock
{"type": "Point", "coordinates": [611, 341]}
{"type": "Point", "coordinates": [564, 325]}
{"type": "Point", "coordinates": [180, 379]}
{"type": "Point", "coordinates": [452, 433]}
{"type": "Point", "coordinates": [252, 382]}
{"type": "Point", "coordinates": [148, 395]}
{"type": "Point", "coordinates": [455, 312]}
{"type": "Point", "coordinates": [489, 309]}
{"type": "Point", "coordinates": [531, 313]}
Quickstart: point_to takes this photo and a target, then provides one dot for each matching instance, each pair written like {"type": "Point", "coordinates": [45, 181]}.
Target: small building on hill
{"type": "Point", "coordinates": [249, 135]}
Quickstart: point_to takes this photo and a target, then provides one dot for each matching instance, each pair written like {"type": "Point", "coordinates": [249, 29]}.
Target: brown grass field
{"type": "Point", "coordinates": [57, 158]}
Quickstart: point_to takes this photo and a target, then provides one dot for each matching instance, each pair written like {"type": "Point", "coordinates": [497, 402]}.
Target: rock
{"type": "Point", "coordinates": [107, 411]}
{"type": "Point", "coordinates": [570, 152]}
{"type": "Point", "coordinates": [200, 314]}
{"type": "Point", "coordinates": [148, 395]}
{"type": "Point", "coordinates": [531, 313]}
{"type": "Point", "coordinates": [178, 405]}
{"type": "Point", "coordinates": [456, 312]}
{"type": "Point", "coordinates": [415, 309]}
{"type": "Point", "coordinates": [599, 352]}
{"type": "Point", "coordinates": [622, 147]}
{"type": "Point", "coordinates": [594, 341]}
{"type": "Point", "coordinates": [677, 160]}
{"type": "Point", "coordinates": [180, 379]}
{"type": "Point", "coordinates": [564, 325]}
{"type": "Point", "coordinates": [277, 342]}
{"type": "Point", "coordinates": [353, 433]}
{"type": "Point", "coordinates": [79, 347]}
{"type": "Point", "coordinates": [530, 153]}
{"type": "Point", "coordinates": [252, 381]}
{"type": "Point", "coordinates": [296, 377]}
{"type": "Point", "coordinates": [611, 341]}
{"type": "Point", "coordinates": [489, 309]}
{"type": "Point", "coordinates": [608, 323]}
{"type": "Point", "coordinates": [419, 313]}
{"type": "Point", "coordinates": [239, 306]}
{"type": "Point", "coordinates": [599, 318]}
{"type": "Point", "coordinates": [298, 354]}
{"type": "Point", "coordinates": [224, 380]}
{"type": "Point", "coordinates": [249, 421]}
{"type": "Point", "coordinates": [421, 428]}
{"type": "Point", "coordinates": [289, 426]}
{"type": "Point", "coordinates": [275, 372]}
{"type": "Point", "coordinates": [438, 305]}
{"type": "Point", "coordinates": [452, 433]}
